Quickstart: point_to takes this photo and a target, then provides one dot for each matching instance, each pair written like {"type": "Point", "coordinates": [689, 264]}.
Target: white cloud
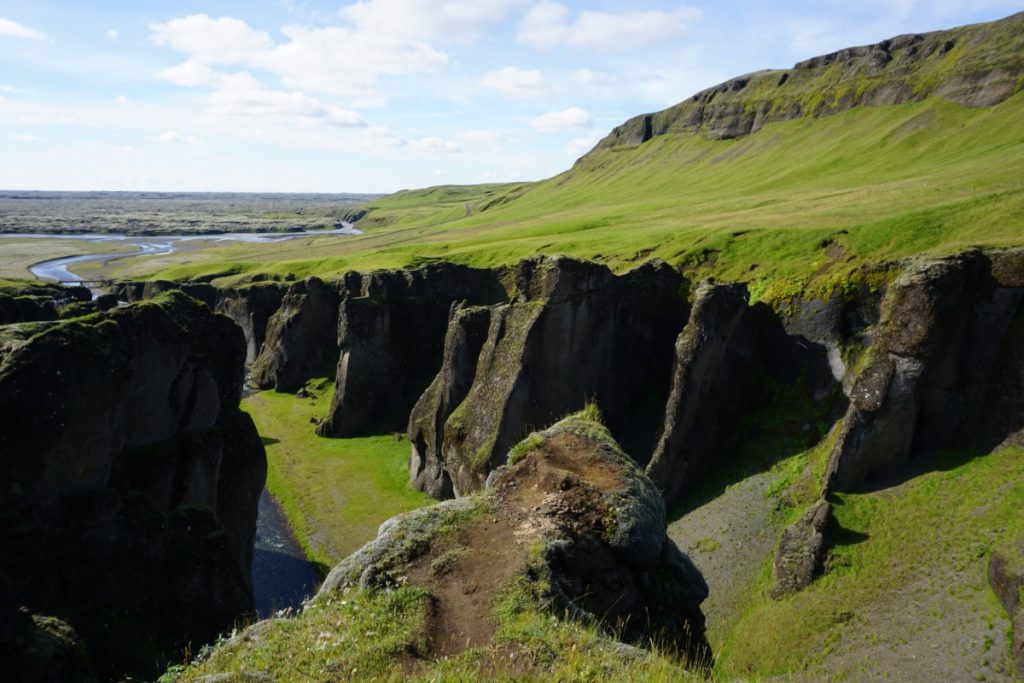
{"type": "Point", "coordinates": [546, 25]}
{"type": "Point", "coordinates": [589, 77]}
{"type": "Point", "coordinates": [173, 136]}
{"type": "Point", "coordinates": [112, 35]}
{"type": "Point", "coordinates": [247, 100]}
{"type": "Point", "coordinates": [23, 137]}
{"type": "Point", "coordinates": [512, 81]}
{"type": "Point", "coordinates": [213, 41]}
{"type": "Point", "coordinates": [379, 138]}
{"type": "Point", "coordinates": [189, 74]}
{"type": "Point", "coordinates": [458, 21]}
{"type": "Point", "coordinates": [572, 118]}
{"type": "Point", "coordinates": [434, 145]}
{"type": "Point", "coordinates": [335, 60]}
{"type": "Point", "coordinates": [12, 29]}
{"type": "Point", "coordinates": [121, 99]}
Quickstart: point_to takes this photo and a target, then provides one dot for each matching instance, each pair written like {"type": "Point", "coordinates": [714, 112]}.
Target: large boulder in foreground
{"type": "Point", "coordinates": [575, 332]}
{"type": "Point", "coordinates": [573, 515]}
{"type": "Point", "coordinates": [391, 331]}
{"type": "Point", "coordinates": [300, 339]}
{"type": "Point", "coordinates": [945, 369]}
{"type": "Point", "coordinates": [129, 486]}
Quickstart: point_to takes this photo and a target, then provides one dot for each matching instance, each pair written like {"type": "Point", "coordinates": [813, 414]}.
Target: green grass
{"type": "Point", "coordinates": [810, 202]}
{"type": "Point", "coordinates": [335, 492]}
{"type": "Point", "coordinates": [381, 636]}
{"type": "Point", "coordinates": [922, 546]}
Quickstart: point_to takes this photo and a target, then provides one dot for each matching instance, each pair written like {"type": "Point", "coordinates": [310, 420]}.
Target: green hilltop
{"type": "Point", "coordinates": [832, 180]}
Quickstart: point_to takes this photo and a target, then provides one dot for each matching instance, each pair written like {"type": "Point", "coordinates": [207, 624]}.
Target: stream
{"type": "Point", "coordinates": [58, 269]}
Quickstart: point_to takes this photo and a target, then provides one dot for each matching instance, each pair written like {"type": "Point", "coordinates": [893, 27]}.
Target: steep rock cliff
{"type": "Point", "coordinates": [576, 332]}
{"type": "Point", "coordinates": [974, 66]}
{"type": "Point", "coordinates": [301, 338]}
{"type": "Point", "coordinates": [251, 307]}
{"type": "Point", "coordinates": [944, 369]}
{"type": "Point", "coordinates": [130, 482]}
{"type": "Point", "coordinates": [391, 331]}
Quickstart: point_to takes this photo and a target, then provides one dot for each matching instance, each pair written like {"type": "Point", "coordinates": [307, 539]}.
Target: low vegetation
{"type": "Point", "coordinates": [335, 492]}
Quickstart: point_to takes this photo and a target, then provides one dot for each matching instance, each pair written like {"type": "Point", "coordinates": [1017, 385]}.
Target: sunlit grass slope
{"type": "Point", "coordinates": [335, 492]}
{"type": "Point", "coordinates": [809, 197]}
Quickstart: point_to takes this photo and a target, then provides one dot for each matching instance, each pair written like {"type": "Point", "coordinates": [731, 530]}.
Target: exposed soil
{"type": "Point", "coordinates": [465, 571]}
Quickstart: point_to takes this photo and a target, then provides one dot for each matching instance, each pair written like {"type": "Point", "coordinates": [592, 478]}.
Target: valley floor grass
{"type": "Point", "coordinates": [334, 492]}
{"type": "Point", "coordinates": [906, 594]}
{"type": "Point", "coordinates": [17, 255]}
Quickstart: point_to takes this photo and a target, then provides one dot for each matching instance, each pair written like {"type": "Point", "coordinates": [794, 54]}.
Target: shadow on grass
{"type": "Point", "coordinates": [269, 440]}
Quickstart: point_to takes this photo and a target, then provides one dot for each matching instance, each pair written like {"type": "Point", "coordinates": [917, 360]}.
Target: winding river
{"type": "Point", "coordinates": [59, 269]}
{"type": "Point", "coordinates": [282, 576]}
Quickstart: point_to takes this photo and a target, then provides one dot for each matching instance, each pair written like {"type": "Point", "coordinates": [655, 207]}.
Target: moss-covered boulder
{"type": "Point", "coordinates": [536, 577]}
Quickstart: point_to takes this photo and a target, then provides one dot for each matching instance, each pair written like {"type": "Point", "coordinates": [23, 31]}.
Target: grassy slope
{"type": "Point", "coordinates": [906, 593]}
{"type": "Point", "coordinates": [884, 182]}
{"type": "Point", "coordinates": [335, 492]}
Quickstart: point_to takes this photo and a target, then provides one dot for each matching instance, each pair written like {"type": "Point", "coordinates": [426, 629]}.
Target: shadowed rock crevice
{"type": "Point", "coordinates": [391, 333]}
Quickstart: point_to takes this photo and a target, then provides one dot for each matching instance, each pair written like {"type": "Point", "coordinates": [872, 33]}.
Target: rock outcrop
{"type": "Point", "coordinates": [931, 379]}
{"type": "Point", "coordinates": [301, 337]}
{"type": "Point", "coordinates": [801, 551]}
{"type": "Point", "coordinates": [391, 331]}
{"type": "Point", "coordinates": [975, 66]}
{"type": "Point", "coordinates": [1006, 576]}
{"type": "Point", "coordinates": [130, 484]}
{"type": "Point", "coordinates": [730, 360]}
{"type": "Point", "coordinates": [251, 307]}
{"type": "Point", "coordinates": [576, 332]}
{"type": "Point", "coordinates": [22, 302]}
{"type": "Point", "coordinates": [714, 376]}
{"type": "Point", "coordinates": [570, 513]}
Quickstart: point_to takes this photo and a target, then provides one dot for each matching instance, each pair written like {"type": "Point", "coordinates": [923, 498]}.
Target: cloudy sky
{"type": "Point", "coordinates": [378, 95]}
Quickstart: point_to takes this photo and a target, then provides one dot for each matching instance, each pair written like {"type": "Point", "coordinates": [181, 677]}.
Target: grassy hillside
{"type": "Point", "coordinates": [802, 199]}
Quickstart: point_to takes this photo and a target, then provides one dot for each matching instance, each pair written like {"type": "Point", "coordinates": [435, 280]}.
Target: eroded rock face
{"type": "Point", "coordinates": [251, 307]}
{"type": "Point", "coordinates": [733, 363]}
{"type": "Point", "coordinates": [959, 65]}
{"type": "Point", "coordinates": [604, 554]}
{"type": "Point", "coordinates": [301, 337]}
{"type": "Point", "coordinates": [933, 378]}
{"type": "Point", "coordinates": [714, 376]}
{"type": "Point", "coordinates": [576, 332]}
{"type": "Point", "coordinates": [130, 480]}
{"type": "Point", "coordinates": [391, 331]}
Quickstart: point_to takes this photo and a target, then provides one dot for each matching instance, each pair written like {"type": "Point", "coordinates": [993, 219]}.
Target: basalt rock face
{"type": "Point", "coordinates": [593, 522]}
{"type": "Point", "coordinates": [301, 338]}
{"type": "Point", "coordinates": [801, 551]}
{"type": "Point", "coordinates": [251, 307]}
{"type": "Point", "coordinates": [130, 484]}
{"type": "Point", "coordinates": [576, 332]}
{"type": "Point", "coordinates": [945, 369]}
{"type": "Point", "coordinates": [33, 302]}
{"type": "Point", "coordinates": [974, 66]}
{"type": "Point", "coordinates": [727, 359]}
{"type": "Point", "coordinates": [391, 332]}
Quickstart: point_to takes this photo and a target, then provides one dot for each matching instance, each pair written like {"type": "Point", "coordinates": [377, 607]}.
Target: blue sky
{"type": "Point", "coordinates": [378, 95]}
